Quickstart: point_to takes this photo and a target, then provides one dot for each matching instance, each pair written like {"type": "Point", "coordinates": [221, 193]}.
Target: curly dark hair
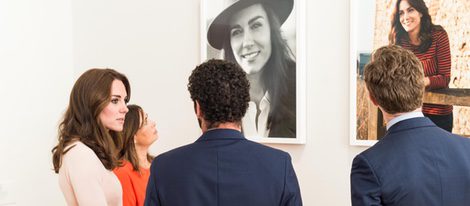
{"type": "Point", "coordinates": [222, 90]}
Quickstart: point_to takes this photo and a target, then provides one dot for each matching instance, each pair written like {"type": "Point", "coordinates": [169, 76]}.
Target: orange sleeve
{"type": "Point", "coordinates": [128, 191]}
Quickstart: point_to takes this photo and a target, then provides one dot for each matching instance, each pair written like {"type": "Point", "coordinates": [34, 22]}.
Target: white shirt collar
{"type": "Point", "coordinates": [402, 117]}
{"type": "Point", "coordinates": [251, 128]}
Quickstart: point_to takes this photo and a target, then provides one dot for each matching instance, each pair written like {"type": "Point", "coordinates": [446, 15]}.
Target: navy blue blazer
{"type": "Point", "coordinates": [416, 163]}
{"type": "Point", "coordinates": [222, 168]}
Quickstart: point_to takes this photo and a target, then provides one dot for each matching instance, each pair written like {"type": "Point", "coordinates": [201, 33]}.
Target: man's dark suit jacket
{"type": "Point", "coordinates": [222, 168]}
{"type": "Point", "coordinates": [416, 164]}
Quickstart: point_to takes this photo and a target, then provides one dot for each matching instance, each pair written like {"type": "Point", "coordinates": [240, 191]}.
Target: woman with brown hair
{"type": "Point", "coordinates": [138, 134]}
{"type": "Point", "coordinates": [249, 34]}
{"type": "Point", "coordinates": [86, 154]}
{"type": "Point", "coordinates": [413, 29]}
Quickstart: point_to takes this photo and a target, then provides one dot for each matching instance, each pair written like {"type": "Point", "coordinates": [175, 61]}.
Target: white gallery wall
{"type": "Point", "coordinates": [46, 44]}
{"type": "Point", "coordinates": [36, 74]}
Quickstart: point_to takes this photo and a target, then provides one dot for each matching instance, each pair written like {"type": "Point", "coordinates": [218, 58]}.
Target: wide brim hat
{"type": "Point", "coordinates": [219, 27]}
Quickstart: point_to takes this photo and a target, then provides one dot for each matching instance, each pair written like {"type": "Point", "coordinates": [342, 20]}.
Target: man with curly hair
{"type": "Point", "coordinates": [222, 168]}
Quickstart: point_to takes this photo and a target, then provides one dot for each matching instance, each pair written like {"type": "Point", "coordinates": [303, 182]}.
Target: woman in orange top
{"type": "Point", "coordinates": [138, 134]}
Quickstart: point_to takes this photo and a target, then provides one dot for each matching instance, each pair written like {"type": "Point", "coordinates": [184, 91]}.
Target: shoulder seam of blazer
{"type": "Point", "coordinates": [372, 169]}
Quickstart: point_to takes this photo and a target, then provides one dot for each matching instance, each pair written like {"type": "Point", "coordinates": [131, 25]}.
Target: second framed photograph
{"type": "Point", "coordinates": [266, 38]}
{"type": "Point", "coordinates": [443, 52]}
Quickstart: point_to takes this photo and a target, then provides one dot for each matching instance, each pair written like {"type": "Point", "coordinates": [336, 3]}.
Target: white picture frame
{"type": "Point", "coordinates": [362, 20]}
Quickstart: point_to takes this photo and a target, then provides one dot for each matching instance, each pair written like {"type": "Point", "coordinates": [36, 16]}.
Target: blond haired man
{"type": "Point", "coordinates": [416, 162]}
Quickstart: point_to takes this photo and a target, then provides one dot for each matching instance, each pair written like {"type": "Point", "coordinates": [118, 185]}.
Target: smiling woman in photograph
{"type": "Point", "coordinates": [86, 154]}
{"type": "Point", "coordinates": [249, 33]}
{"type": "Point", "coordinates": [413, 29]}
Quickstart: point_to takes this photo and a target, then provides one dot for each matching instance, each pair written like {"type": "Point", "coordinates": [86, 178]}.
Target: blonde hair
{"type": "Point", "coordinates": [395, 79]}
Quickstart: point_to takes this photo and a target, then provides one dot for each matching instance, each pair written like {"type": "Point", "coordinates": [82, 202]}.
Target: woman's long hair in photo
{"type": "Point", "coordinates": [397, 32]}
{"type": "Point", "coordinates": [276, 74]}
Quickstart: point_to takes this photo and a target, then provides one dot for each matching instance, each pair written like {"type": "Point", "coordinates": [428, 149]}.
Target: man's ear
{"type": "Point", "coordinates": [197, 109]}
{"type": "Point", "coordinates": [372, 99]}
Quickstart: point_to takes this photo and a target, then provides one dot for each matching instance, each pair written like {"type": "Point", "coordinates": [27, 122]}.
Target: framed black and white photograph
{"type": "Point", "coordinates": [266, 38]}
{"type": "Point", "coordinates": [371, 23]}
